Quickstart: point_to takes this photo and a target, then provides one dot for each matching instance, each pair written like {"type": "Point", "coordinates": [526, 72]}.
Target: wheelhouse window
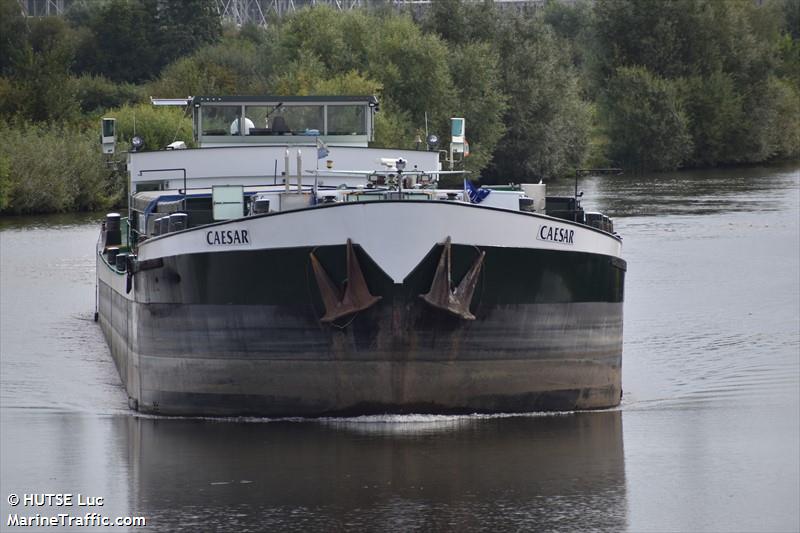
{"type": "Point", "coordinates": [262, 117]}
{"type": "Point", "coordinates": [347, 120]}
{"type": "Point", "coordinates": [220, 120]}
{"type": "Point", "coordinates": [284, 120]}
{"type": "Point", "coordinates": [301, 119]}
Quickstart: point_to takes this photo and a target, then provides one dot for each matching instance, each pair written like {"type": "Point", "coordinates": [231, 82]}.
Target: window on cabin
{"type": "Point", "coordinates": [262, 117]}
{"type": "Point", "coordinates": [301, 119]}
{"type": "Point", "coordinates": [347, 120]}
{"type": "Point", "coordinates": [285, 120]}
{"type": "Point", "coordinates": [220, 120]}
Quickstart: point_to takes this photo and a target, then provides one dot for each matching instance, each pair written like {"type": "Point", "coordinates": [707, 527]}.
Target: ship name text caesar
{"type": "Point", "coordinates": [555, 234]}
{"type": "Point", "coordinates": [227, 236]}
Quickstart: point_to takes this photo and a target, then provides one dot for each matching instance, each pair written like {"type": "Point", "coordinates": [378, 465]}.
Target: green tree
{"type": "Point", "coordinates": [96, 94]}
{"type": "Point", "coordinates": [340, 41]}
{"type": "Point", "coordinates": [123, 42]}
{"type": "Point", "coordinates": [157, 126]}
{"type": "Point", "coordinates": [735, 63]}
{"type": "Point", "coordinates": [449, 19]}
{"type": "Point", "coordinates": [299, 76]}
{"type": "Point", "coordinates": [646, 127]}
{"type": "Point", "coordinates": [533, 116]}
{"type": "Point", "coordinates": [413, 69]}
{"type": "Point", "coordinates": [716, 118]}
{"type": "Point", "coordinates": [13, 37]}
{"type": "Point", "coordinates": [230, 67]}
{"type": "Point", "coordinates": [53, 167]}
{"type": "Point", "coordinates": [5, 182]}
{"type": "Point", "coordinates": [480, 100]}
{"type": "Point", "coordinates": [132, 40]}
{"type": "Point", "coordinates": [469, 31]}
{"type": "Point", "coordinates": [253, 33]}
{"type": "Point", "coordinates": [573, 24]}
{"type": "Point", "coordinates": [669, 38]}
{"type": "Point", "coordinates": [788, 42]}
{"type": "Point", "coordinates": [42, 88]}
{"type": "Point", "coordinates": [773, 122]}
{"type": "Point", "coordinates": [459, 22]}
{"type": "Point", "coordinates": [547, 121]}
{"type": "Point", "coordinates": [186, 26]}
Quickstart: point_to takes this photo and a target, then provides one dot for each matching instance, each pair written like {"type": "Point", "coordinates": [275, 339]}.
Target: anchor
{"type": "Point", "coordinates": [356, 295]}
{"type": "Point", "coordinates": [453, 300]}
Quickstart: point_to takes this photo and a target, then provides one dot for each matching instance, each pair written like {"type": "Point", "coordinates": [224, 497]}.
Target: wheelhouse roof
{"type": "Point", "coordinates": [199, 100]}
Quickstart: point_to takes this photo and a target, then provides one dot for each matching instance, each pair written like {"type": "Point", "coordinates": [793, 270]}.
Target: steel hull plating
{"type": "Point", "coordinates": [239, 332]}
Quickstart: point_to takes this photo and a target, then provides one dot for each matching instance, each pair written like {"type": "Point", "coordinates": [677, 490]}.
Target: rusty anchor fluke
{"type": "Point", "coordinates": [453, 300]}
{"type": "Point", "coordinates": [355, 297]}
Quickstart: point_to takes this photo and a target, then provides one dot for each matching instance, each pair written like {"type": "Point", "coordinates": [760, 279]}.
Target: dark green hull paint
{"type": "Point", "coordinates": [284, 276]}
{"type": "Point", "coordinates": [238, 333]}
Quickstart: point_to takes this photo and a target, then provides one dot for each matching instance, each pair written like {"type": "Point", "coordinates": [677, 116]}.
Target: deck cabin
{"type": "Point", "coordinates": [267, 154]}
{"type": "Point", "coordinates": [257, 155]}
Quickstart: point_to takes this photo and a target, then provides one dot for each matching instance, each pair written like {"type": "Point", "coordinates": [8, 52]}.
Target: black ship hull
{"type": "Point", "coordinates": [244, 332]}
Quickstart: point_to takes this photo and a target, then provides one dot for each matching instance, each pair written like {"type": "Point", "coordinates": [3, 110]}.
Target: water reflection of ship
{"type": "Point", "coordinates": [523, 473]}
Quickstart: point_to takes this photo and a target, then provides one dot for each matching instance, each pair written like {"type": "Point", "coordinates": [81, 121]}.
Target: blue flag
{"type": "Point", "coordinates": [476, 196]}
{"type": "Point", "coordinates": [322, 149]}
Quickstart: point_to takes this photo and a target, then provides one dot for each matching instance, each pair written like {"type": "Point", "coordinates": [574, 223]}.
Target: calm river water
{"type": "Point", "coordinates": [707, 438]}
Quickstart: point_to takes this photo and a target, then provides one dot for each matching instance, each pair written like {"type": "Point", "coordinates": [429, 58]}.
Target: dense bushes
{"type": "Point", "coordinates": [224, 69]}
{"type": "Point", "coordinates": [547, 121]}
{"type": "Point", "coordinates": [717, 66]}
{"type": "Point", "coordinates": [645, 124]}
{"type": "Point", "coordinates": [157, 126]}
{"type": "Point", "coordinates": [131, 41]}
{"type": "Point", "coordinates": [96, 94]}
{"type": "Point", "coordinates": [51, 168]}
{"type": "Point", "coordinates": [5, 182]}
{"type": "Point", "coordinates": [56, 167]}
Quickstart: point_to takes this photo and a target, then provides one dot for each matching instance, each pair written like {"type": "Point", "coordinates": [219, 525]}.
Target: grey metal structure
{"type": "Point", "coordinates": [258, 12]}
{"type": "Point", "coordinates": [45, 8]}
{"type": "Point", "coordinates": [242, 12]}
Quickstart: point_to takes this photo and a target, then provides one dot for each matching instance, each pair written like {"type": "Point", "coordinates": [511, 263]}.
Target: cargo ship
{"type": "Point", "coordinates": [283, 267]}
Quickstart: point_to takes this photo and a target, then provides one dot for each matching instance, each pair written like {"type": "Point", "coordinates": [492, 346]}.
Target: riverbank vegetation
{"type": "Point", "coordinates": [642, 84]}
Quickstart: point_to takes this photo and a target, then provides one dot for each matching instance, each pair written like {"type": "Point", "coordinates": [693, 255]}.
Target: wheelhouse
{"type": "Point", "coordinates": [245, 120]}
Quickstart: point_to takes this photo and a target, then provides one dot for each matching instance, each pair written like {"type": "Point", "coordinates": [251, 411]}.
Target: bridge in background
{"type": "Point", "coordinates": [259, 12]}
